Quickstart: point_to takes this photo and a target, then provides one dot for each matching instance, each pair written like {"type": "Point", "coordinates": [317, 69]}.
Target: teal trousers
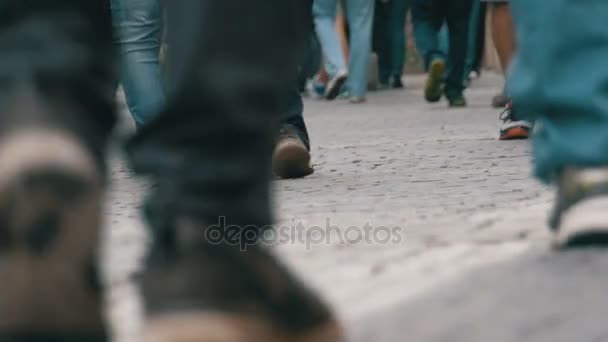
{"type": "Point", "coordinates": [559, 78]}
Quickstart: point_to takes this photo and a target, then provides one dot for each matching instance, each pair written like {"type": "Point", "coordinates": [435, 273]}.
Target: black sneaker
{"type": "Point", "coordinates": [50, 213]}
{"type": "Point", "coordinates": [291, 158]}
{"type": "Point", "coordinates": [580, 215]}
{"type": "Point", "coordinates": [513, 128]}
{"type": "Point", "coordinates": [201, 290]}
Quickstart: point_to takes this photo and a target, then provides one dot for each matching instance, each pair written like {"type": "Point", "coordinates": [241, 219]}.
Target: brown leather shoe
{"type": "Point", "coordinates": [201, 291]}
{"type": "Point", "coordinates": [291, 158]}
{"type": "Point", "coordinates": [50, 198]}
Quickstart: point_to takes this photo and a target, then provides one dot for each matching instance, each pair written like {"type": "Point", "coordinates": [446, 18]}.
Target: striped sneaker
{"type": "Point", "coordinates": [512, 128]}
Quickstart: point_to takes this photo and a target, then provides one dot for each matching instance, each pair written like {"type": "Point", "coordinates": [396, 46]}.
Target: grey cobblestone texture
{"type": "Point", "coordinates": [462, 204]}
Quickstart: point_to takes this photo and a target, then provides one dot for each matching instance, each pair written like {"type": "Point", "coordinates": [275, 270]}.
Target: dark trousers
{"type": "Point", "coordinates": [429, 16]}
{"type": "Point", "coordinates": [294, 119]}
{"type": "Point", "coordinates": [210, 150]}
{"type": "Point", "coordinates": [389, 38]}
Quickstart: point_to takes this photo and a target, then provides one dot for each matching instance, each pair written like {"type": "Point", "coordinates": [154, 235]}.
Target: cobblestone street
{"type": "Point", "coordinates": [467, 257]}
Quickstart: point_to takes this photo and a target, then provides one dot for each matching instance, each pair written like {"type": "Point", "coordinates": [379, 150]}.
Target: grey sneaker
{"type": "Point", "coordinates": [580, 216]}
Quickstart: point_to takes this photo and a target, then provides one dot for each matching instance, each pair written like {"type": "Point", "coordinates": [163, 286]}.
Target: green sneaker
{"type": "Point", "coordinates": [433, 87]}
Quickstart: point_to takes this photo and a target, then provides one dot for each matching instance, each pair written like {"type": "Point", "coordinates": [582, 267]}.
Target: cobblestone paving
{"type": "Point", "coordinates": [454, 203]}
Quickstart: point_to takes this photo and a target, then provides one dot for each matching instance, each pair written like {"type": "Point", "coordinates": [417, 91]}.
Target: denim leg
{"type": "Point", "coordinates": [360, 14]}
{"type": "Point", "coordinates": [60, 55]}
{"type": "Point", "coordinates": [398, 38]}
{"type": "Point", "coordinates": [324, 12]}
{"type": "Point", "coordinates": [474, 23]}
{"type": "Point", "coordinates": [427, 24]}
{"type": "Point", "coordinates": [457, 13]}
{"type": "Point", "coordinates": [137, 24]}
{"type": "Point", "coordinates": [210, 150]}
{"type": "Point", "coordinates": [559, 78]}
{"type": "Point", "coordinates": [382, 40]}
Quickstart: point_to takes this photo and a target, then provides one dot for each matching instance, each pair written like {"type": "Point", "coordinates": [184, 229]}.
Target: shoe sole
{"type": "Point", "coordinates": [517, 133]}
{"type": "Point", "coordinates": [49, 217]}
{"type": "Point", "coordinates": [458, 105]}
{"type": "Point", "coordinates": [334, 87]}
{"type": "Point", "coordinates": [432, 89]}
{"type": "Point", "coordinates": [291, 160]}
{"type": "Point", "coordinates": [204, 327]}
{"type": "Point", "coordinates": [585, 225]}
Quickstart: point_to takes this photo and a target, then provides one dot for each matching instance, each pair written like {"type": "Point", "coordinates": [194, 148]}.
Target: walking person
{"type": "Point", "coordinates": [558, 79]}
{"type": "Point", "coordinates": [359, 14]}
{"type": "Point", "coordinates": [389, 24]}
{"type": "Point", "coordinates": [208, 154]}
{"type": "Point", "coordinates": [429, 17]}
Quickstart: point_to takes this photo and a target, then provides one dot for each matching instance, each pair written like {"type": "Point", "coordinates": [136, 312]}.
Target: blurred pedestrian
{"type": "Point", "coordinates": [359, 14]}
{"type": "Point", "coordinates": [429, 17]}
{"type": "Point", "coordinates": [207, 276]}
{"type": "Point", "coordinates": [390, 41]}
{"type": "Point", "coordinates": [558, 79]}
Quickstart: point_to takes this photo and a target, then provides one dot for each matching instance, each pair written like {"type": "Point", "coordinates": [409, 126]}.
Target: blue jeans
{"type": "Point", "coordinates": [559, 78]}
{"type": "Point", "coordinates": [429, 17]}
{"type": "Point", "coordinates": [359, 15]}
{"type": "Point", "coordinates": [137, 24]}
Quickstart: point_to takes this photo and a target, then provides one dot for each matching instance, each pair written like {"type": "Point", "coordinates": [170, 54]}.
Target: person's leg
{"type": "Point", "coordinates": [295, 118]}
{"type": "Point", "coordinates": [512, 127]}
{"type": "Point", "coordinates": [474, 22]}
{"type": "Point", "coordinates": [426, 28]}
{"type": "Point", "coordinates": [444, 38]}
{"type": "Point", "coordinates": [360, 14]}
{"type": "Point", "coordinates": [503, 34]}
{"type": "Point", "coordinates": [311, 64]}
{"type": "Point", "coordinates": [137, 24]}
{"type": "Point", "coordinates": [210, 155]}
{"type": "Point", "coordinates": [427, 23]}
{"type": "Point", "coordinates": [571, 145]}
{"type": "Point", "coordinates": [291, 157]}
{"type": "Point", "coordinates": [398, 40]}
{"type": "Point", "coordinates": [480, 39]}
{"type": "Point", "coordinates": [57, 97]}
{"type": "Point", "coordinates": [324, 12]}
{"type": "Point", "coordinates": [458, 14]}
{"type": "Point", "coordinates": [382, 40]}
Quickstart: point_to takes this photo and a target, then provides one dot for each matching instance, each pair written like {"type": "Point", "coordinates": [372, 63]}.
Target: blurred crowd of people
{"type": "Point", "coordinates": [361, 45]}
{"type": "Point", "coordinates": [225, 112]}
{"type": "Point", "coordinates": [355, 46]}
